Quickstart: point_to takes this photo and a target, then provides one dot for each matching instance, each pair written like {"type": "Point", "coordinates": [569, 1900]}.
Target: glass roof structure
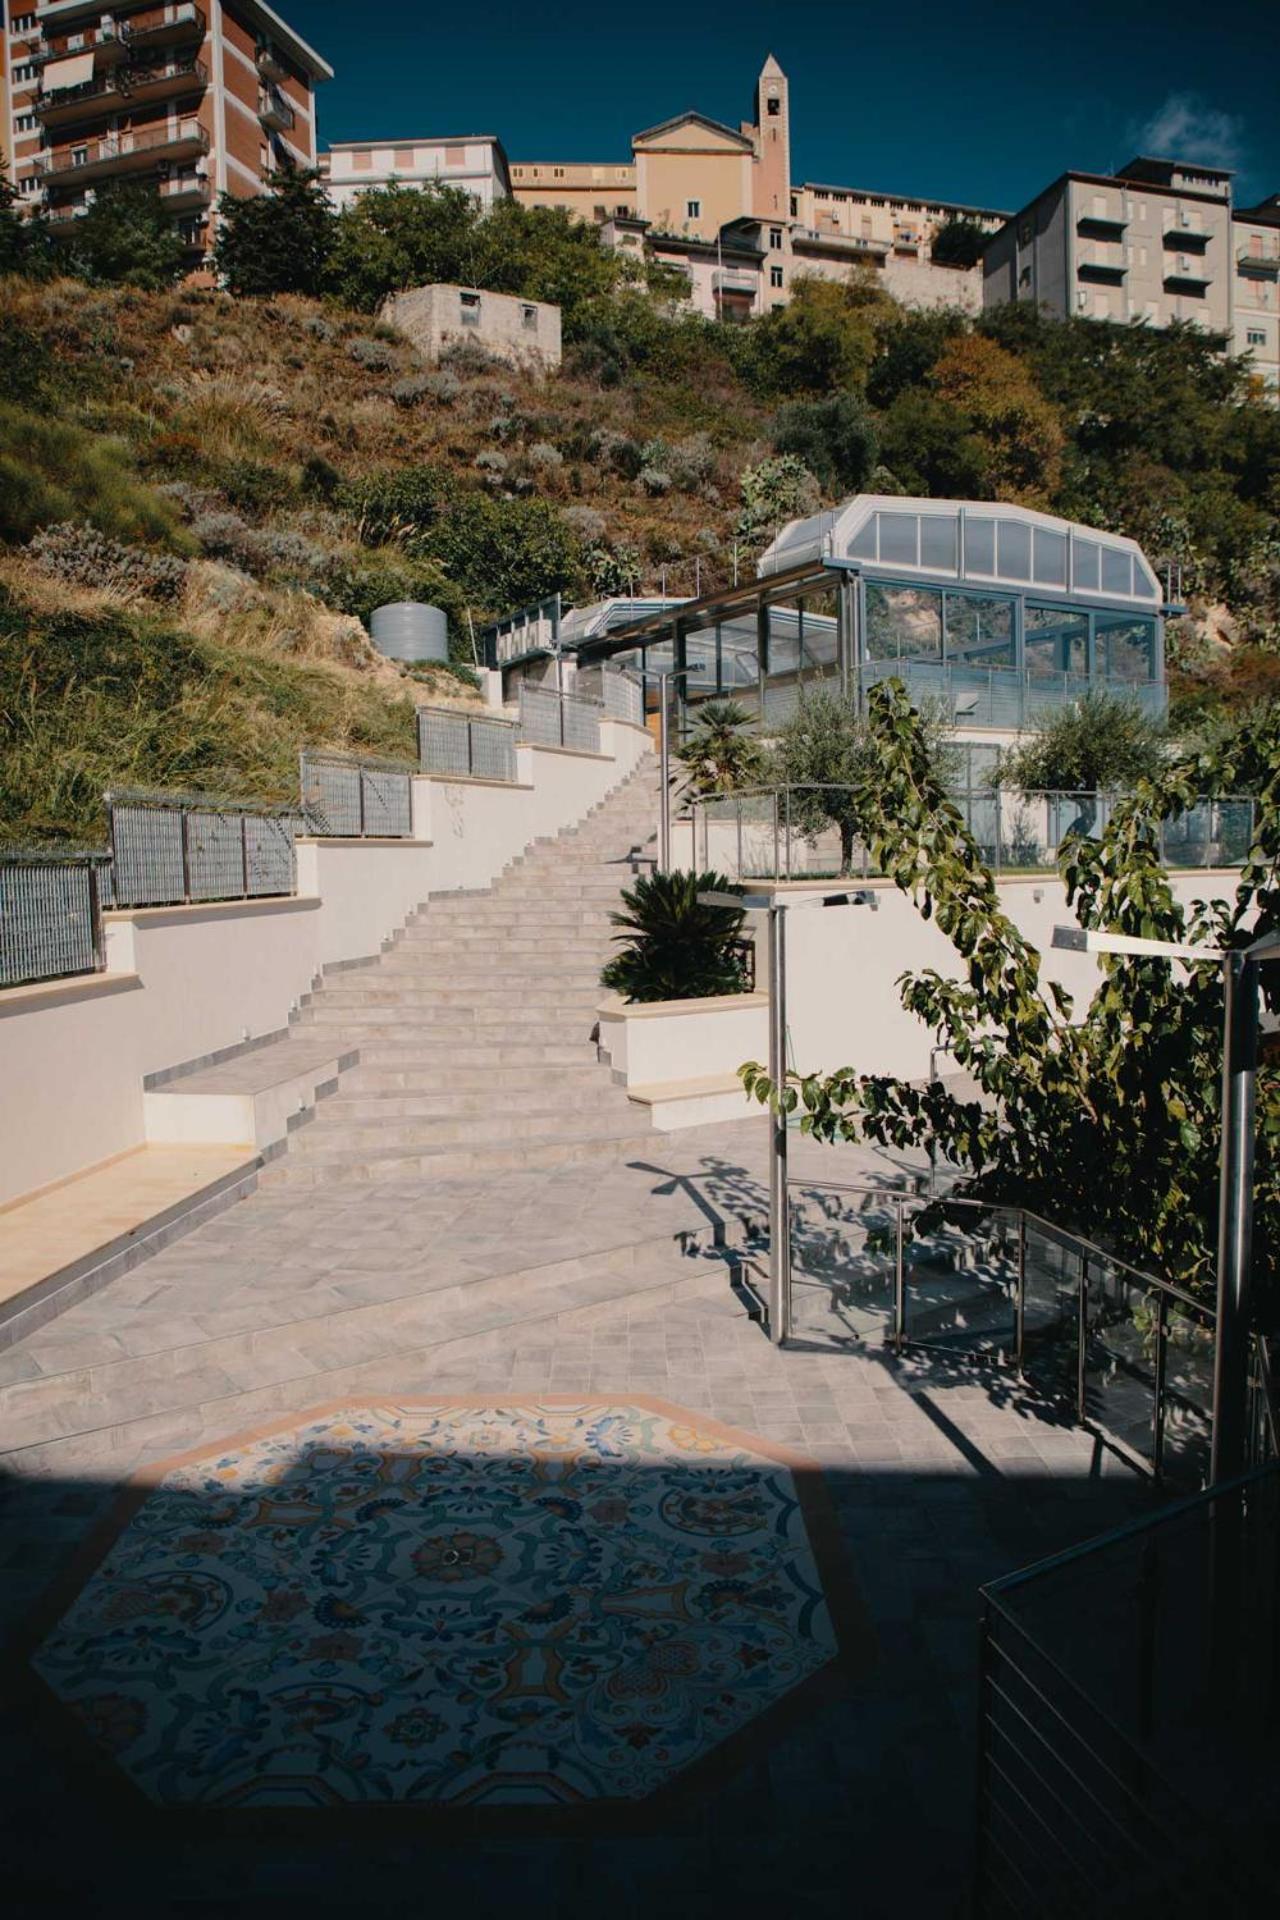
{"type": "Point", "coordinates": [974, 541]}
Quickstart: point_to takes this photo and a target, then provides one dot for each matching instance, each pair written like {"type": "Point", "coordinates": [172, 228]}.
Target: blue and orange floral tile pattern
{"type": "Point", "coordinates": [522, 1604]}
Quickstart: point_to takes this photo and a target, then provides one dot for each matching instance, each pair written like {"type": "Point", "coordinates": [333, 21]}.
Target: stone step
{"type": "Point", "coordinates": [337, 1125]}
{"type": "Point", "coordinates": [420, 963]}
{"type": "Point", "coordinates": [572, 1083]}
{"type": "Point", "coordinates": [513, 1000]}
{"type": "Point", "coordinates": [447, 1101]}
{"type": "Point", "coordinates": [338, 1168]}
{"type": "Point", "coordinates": [379, 1048]}
{"type": "Point", "coordinates": [426, 1012]}
{"type": "Point", "coordinates": [366, 1346]}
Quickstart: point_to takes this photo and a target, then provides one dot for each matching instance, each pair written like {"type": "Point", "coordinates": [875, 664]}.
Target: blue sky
{"type": "Point", "coordinates": [983, 104]}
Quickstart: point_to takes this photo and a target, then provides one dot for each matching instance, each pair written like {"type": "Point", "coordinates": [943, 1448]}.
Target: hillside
{"type": "Point", "coordinates": [202, 497]}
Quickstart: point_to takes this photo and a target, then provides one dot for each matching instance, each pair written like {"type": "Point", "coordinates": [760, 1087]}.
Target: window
{"type": "Point", "coordinates": [25, 73]}
{"type": "Point", "coordinates": [405, 157]}
{"type": "Point", "coordinates": [693, 209]}
{"type": "Point", "coordinates": [773, 106]}
{"type": "Point", "coordinates": [979, 630]}
{"type": "Point", "coordinates": [23, 23]}
{"type": "Point", "coordinates": [601, 213]}
{"type": "Point", "coordinates": [362, 162]}
{"type": "Point", "coordinates": [622, 211]}
{"type": "Point", "coordinates": [775, 239]}
{"type": "Point", "coordinates": [1057, 641]}
{"type": "Point", "coordinates": [1126, 649]}
{"type": "Point", "coordinates": [903, 623]}
{"type": "Point", "coordinates": [1256, 336]}
{"type": "Point", "coordinates": [24, 123]}
{"type": "Point", "coordinates": [529, 319]}
{"type": "Point", "coordinates": [557, 173]}
{"type": "Point", "coordinates": [938, 541]}
{"type": "Point", "coordinates": [1049, 558]}
{"type": "Point", "coordinates": [455, 156]}
{"type": "Point", "coordinates": [979, 544]}
{"type": "Point", "coordinates": [1117, 571]}
{"type": "Point", "coordinates": [775, 276]}
{"type": "Point", "coordinates": [795, 207]}
{"type": "Point", "coordinates": [470, 309]}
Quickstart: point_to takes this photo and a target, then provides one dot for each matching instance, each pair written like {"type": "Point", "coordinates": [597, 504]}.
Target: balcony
{"type": "Point", "coordinates": [121, 88]}
{"type": "Point", "coordinates": [735, 280]}
{"type": "Point", "coordinates": [271, 62]}
{"type": "Point", "coordinates": [187, 24]}
{"type": "Point", "coordinates": [124, 153]}
{"type": "Point", "coordinates": [274, 110]}
{"type": "Point", "coordinates": [1188, 239]}
{"type": "Point", "coordinates": [1100, 273]}
{"type": "Point", "coordinates": [185, 194]}
{"type": "Point", "coordinates": [110, 42]}
{"type": "Point", "coordinates": [830, 240]}
{"type": "Point", "coordinates": [908, 243]}
{"type": "Point", "coordinates": [1258, 266]}
{"type": "Point", "coordinates": [1101, 226]}
{"type": "Point", "coordinates": [1186, 277]}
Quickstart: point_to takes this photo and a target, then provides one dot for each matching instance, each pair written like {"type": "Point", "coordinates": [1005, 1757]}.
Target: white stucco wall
{"type": "Point", "coordinates": [183, 982]}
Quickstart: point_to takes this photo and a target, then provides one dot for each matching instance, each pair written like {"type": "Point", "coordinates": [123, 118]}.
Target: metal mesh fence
{"type": "Point", "coordinates": [620, 695]}
{"type": "Point", "coordinates": [551, 719]}
{"type": "Point", "coordinates": [168, 850]}
{"type": "Point", "coordinates": [349, 798]}
{"type": "Point", "coordinates": [49, 916]}
{"type": "Point", "coordinates": [474, 746]}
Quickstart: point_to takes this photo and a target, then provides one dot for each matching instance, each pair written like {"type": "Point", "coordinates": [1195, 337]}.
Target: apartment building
{"type": "Point", "coordinates": [475, 162]}
{"type": "Point", "coordinates": [193, 99]}
{"type": "Point", "coordinates": [1256, 232]}
{"type": "Point", "coordinates": [892, 234]}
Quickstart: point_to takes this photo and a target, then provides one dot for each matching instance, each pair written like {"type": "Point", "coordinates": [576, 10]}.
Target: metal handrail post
{"type": "Point", "coordinates": [1082, 1339]}
{"type": "Point", "coordinates": [183, 817]}
{"type": "Point", "coordinates": [1158, 1410]}
{"type": "Point", "coordinates": [96, 930]}
{"type": "Point", "coordinates": [1235, 1214]}
{"type": "Point", "coordinates": [899, 1282]}
{"type": "Point", "coordinates": [664, 762]}
{"type": "Point", "coordinates": [1020, 1305]}
{"type": "Point", "coordinates": [360, 793]}
{"type": "Point", "coordinates": [787, 812]}
{"type": "Point", "coordinates": [776, 869]}
{"type": "Point", "coordinates": [779, 1204]}
{"type": "Point", "coordinates": [244, 854]}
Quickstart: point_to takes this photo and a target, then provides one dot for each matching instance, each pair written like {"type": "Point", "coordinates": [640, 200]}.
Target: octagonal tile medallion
{"type": "Point", "coordinates": [446, 1603]}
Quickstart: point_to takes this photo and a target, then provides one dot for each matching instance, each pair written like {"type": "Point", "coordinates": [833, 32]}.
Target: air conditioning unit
{"type": "Point", "coordinates": [1082, 301]}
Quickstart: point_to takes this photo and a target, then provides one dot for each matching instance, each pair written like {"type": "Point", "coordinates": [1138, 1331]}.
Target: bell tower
{"type": "Point", "coordinates": [773, 143]}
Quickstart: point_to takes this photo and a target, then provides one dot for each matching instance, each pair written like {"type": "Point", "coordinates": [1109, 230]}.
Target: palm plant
{"type": "Point", "coordinates": [674, 948]}
{"type": "Point", "coordinates": [721, 753]}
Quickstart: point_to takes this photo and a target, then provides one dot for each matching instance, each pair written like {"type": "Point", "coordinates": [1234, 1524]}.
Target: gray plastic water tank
{"type": "Point", "coordinates": [410, 630]}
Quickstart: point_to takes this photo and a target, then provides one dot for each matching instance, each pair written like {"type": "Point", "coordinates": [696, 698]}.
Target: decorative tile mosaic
{"type": "Point", "coordinates": [520, 1604]}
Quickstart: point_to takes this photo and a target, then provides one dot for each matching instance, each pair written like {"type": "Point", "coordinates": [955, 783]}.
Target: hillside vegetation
{"type": "Point", "coordinates": [203, 495]}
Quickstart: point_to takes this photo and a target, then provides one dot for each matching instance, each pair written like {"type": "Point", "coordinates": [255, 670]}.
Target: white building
{"type": "Point", "coordinates": [524, 333]}
{"type": "Point", "coordinates": [473, 161]}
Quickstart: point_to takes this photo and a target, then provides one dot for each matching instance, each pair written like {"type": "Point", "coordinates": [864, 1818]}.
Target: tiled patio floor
{"type": "Point", "coordinates": [940, 1477]}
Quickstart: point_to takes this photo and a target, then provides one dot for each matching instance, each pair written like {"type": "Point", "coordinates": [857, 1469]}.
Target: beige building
{"type": "Point", "coordinates": [475, 162]}
{"type": "Point", "coordinates": [525, 333]}
{"type": "Point", "coordinates": [195, 100]}
{"type": "Point", "coordinates": [717, 203]}
{"type": "Point", "coordinates": [1256, 240]}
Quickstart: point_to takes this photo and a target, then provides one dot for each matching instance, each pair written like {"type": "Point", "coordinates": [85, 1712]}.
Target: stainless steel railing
{"type": "Point", "coordinates": [352, 797]}
{"type": "Point", "coordinates": [171, 849]}
{"type": "Point", "coordinates": [474, 746]}
{"type": "Point", "coordinates": [552, 719]}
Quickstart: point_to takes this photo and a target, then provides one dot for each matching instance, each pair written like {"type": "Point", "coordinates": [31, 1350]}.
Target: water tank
{"type": "Point", "coordinates": [410, 630]}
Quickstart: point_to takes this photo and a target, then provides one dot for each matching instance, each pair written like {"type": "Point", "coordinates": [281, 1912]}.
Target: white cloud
{"type": "Point", "coordinates": [1184, 127]}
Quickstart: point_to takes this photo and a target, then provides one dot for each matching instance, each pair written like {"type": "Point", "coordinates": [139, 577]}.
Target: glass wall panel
{"type": "Point", "coordinates": [1057, 641]}
{"type": "Point", "coordinates": [900, 539]}
{"type": "Point", "coordinates": [904, 623]}
{"type": "Point", "coordinates": [1117, 571]}
{"type": "Point", "coordinates": [938, 541]}
{"type": "Point", "coordinates": [979, 544]}
{"type": "Point", "coordinates": [863, 544]}
{"type": "Point", "coordinates": [980, 630]}
{"type": "Point", "coordinates": [1015, 551]}
{"type": "Point", "coordinates": [1085, 564]}
{"type": "Point", "coordinates": [1049, 558]}
{"type": "Point", "coordinates": [1126, 648]}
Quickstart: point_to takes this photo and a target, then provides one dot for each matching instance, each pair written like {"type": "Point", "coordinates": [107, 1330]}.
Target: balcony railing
{"type": "Point", "coordinates": [1267, 264]}
{"type": "Point", "coordinates": [274, 110]}
{"type": "Point", "coordinates": [94, 159]}
{"type": "Point", "coordinates": [859, 243]}
{"type": "Point", "coordinates": [184, 23]}
{"type": "Point", "coordinates": [120, 88]}
{"type": "Point", "coordinates": [181, 194]}
{"type": "Point", "coordinates": [1004, 696]}
{"type": "Point", "coordinates": [271, 61]}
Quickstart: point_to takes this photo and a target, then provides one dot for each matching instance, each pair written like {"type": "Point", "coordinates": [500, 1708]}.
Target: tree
{"type": "Point", "coordinates": [278, 241]}
{"type": "Point", "coordinates": [398, 237]}
{"type": "Point", "coordinates": [721, 753]}
{"type": "Point", "coordinates": [823, 339]}
{"type": "Point", "coordinates": [127, 237]}
{"type": "Point", "coordinates": [25, 244]}
{"type": "Point", "coordinates": [675, 948]}
{"type": "Point", "coordinates": [835, 438]}
{"type": "Point", "coordinates": [774, 492]}
{"type": "Point", "coordinates": [958, 242]}
{"type": "Point", "coordinates": [929, 446]}
{"type": "Point", "coordinates": [1107, 1124]}
{"type": "Point", "coordinates": [818, 755]}
{"type": "Point", "coordinates": [505, 553]}
{"type": "Point", "coordinates": [1097, 744]}
{"type": "Point", "coordinates": [1007, 414]}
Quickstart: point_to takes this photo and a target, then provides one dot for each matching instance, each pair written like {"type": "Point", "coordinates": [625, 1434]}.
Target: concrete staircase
{"type": "Point", "coordinates": [475, 1029]}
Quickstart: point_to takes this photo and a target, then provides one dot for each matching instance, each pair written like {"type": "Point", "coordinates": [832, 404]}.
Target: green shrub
{"type": "Point", "coordinates": [504, 554]}
{"type": "Point", "coordinates": [835, 438]}
{"type": "Point", "coordinates": [356, 584]}
{"type": "Point", "coordinates": [52, 471]}
{"type": "Point", "coordinates": [675, 948]}
{"type": "Point", "coordinates": [87, 558]}
{"type": "Point", "coordinates": [397, 503]}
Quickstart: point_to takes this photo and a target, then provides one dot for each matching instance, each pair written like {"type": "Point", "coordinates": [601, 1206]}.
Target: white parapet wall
{"type": "Point", "coordinates": [679, 1058]}
{"type": "Point", "coordinates": [185, 982]}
